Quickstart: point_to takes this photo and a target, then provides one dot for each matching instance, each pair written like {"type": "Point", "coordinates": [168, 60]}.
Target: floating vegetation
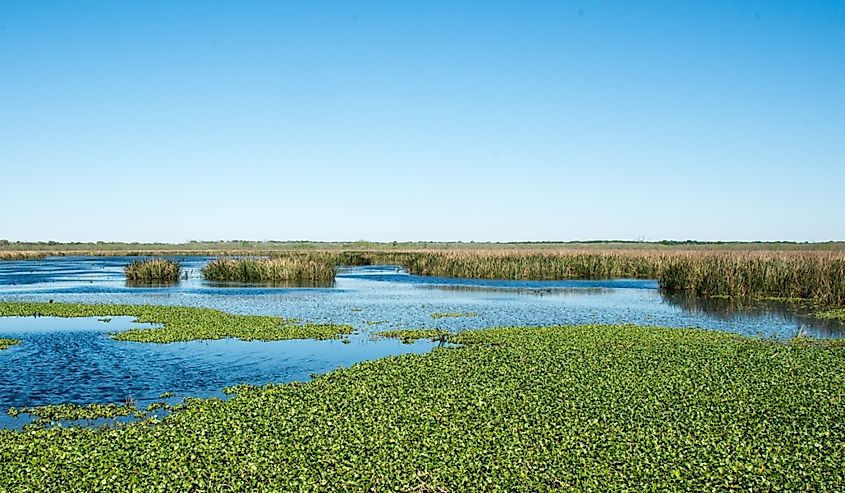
{"type": "Point", "coordinates": [453, 315]}
{"type": "Point", "coordinates": [409, 336]}
{"type": "Point", "coordinates": [105, 320]}
{"type": "Point", "coordinates": [7, 343]}
{"type": "Point", "coordinates": [153, 270]}
{"type": "Point", "coordinates": [75, 412]}
{"type": "Point", "coordinates": [283, 269]}
{"type": "Point", "coordinates": [376, 322]}
{"type": "Point", "coordinates": [591, 408]}
{"type": "Point", "coordinates": [182, 323]}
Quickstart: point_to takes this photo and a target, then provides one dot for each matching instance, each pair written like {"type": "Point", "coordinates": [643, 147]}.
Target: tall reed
{"type": "Point", "coordinates": [816, 276]}
{"type": "Point", "coordinates": [301, 269]}
{"type": "Point", "coordinates": [813, 276]}
{"type": "Point", "coordinates": [153, 270]}
{"type": "Point", "coordinates": [13, 255]}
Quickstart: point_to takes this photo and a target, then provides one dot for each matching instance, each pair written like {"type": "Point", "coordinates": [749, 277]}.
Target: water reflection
{"type": "Point", "coordinates": [588, 291]}
{"type": "Point", "coordinates": [728, 309]}
{"type": "Point", "coordinates": [274, 284]}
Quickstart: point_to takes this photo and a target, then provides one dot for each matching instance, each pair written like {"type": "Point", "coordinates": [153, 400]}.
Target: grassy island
{"type": "Point", "coordinates": [153, 270]}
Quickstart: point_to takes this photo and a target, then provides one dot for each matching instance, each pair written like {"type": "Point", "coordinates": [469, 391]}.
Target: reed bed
{"type": "Point", "coordinates": [302, 269]}
{"type": "Point", "coordinates": [153, 270]}
{"type": "Point", "coordinates": [13, 255]}
{"type": "Point", "coordinates": [807, 276]}
{"type": "Point", "coordinates": [814, 276]}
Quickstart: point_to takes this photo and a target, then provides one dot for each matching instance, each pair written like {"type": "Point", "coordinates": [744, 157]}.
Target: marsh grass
{"type": "Point", "coordinates": [818, 277]}
{"type": "Point", "coordinates": [7, 255]}
{"type": "Point", "coordinates": [153, 270]}
{"type": "Point", "coordinates": [832, 314]}
{"type": "Point", "coordinates": [301, 269]}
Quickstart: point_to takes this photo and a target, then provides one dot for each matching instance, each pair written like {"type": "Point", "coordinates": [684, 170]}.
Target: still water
{"type": "Point", "coordinates": [74, 360]}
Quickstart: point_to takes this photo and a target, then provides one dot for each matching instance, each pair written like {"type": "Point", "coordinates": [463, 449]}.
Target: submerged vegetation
{"type": "Point", "coordinates": [299, 269]}
{"type": "Point", "coordinates": [598, 408]}
{"type": "Point", "coordinates": [153, 270]}
{"type": "Point", "coordinates": [182, 323]}
{"type": "Point", "coordinates": [7, 343]}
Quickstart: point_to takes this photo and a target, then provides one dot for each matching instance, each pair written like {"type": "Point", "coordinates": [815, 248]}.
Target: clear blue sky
{"type": "Point", "coordinates": [178, 120]}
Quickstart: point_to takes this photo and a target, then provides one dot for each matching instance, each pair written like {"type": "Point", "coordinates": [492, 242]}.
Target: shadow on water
{"type": "Point", "coordinates": [728, 309]}
{"type": "Point", "coordinates": [274, 284]}
{"type": "Point", "coordinates": [151, 284]}
{"type": "Point", "coordinates": [589, 291]}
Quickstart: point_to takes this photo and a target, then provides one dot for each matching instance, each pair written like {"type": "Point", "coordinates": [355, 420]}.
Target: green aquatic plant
{"type": "Point", "coordinates": [817, 276]}
{"type": "Point", "coordinates": [75, 412]}
{"type": "Point", "coordinates": [283, 269]}
{"type": "Point", "coordinates": [7, 343]}
{"type": "Point", "coordinates": [183, 323]}
{"type": "Point", "coordinates": [409, 336]}
{"type": "Point", "coordinates": [589, 408]}
{"type": "Point", "coordinates": [453, 315]}
{"type": "Point", "coordinates": [153, 270]}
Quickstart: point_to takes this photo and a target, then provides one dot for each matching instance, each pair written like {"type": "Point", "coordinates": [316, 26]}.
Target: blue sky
{"type": "Point", "coordinates": [485, 121]}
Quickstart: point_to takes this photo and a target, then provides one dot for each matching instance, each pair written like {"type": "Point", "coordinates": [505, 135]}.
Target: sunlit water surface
{"type": "Point", "coordinates": [74, 360]}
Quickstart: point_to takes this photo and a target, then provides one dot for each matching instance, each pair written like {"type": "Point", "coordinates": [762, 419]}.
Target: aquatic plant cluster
{"type": "Point", "coordinates": [182, 323]}
{"type": "Point", "coordinates": [71, 412]}
{"type": "Point", "coordinates": [6, 343]}
{"type": "Point", "coordinates": [598, 408]}
{"type": "Point", "coordinates": [298, 268]}
{"type": "Point", "coordinates": [408, 336]}
{"type": "Point", "coordinates": [816, 276]}
{"type": "Point", "coordinates": [153, 270]}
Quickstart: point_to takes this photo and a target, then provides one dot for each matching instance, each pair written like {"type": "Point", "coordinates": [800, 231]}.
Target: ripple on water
{"type": "Point", "coordinates": [65, 360]}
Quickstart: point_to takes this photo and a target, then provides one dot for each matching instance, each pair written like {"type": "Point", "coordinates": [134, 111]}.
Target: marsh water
{"type": "Point", "coordinates": [74, 360]}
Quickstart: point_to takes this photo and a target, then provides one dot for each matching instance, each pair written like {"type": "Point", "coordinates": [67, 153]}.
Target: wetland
{"type": "Point", "coordinates": [280, 382]}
